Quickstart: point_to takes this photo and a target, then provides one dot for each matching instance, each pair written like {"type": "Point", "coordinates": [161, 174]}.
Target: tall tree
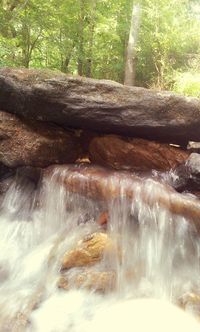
{"type": "Point", "coordinates": [130, 65]}
{"type": "Point", "coordinates": [92, 21]}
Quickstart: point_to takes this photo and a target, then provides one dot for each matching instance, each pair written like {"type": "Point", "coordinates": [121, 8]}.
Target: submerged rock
{"type": "Point", "coordinates": [101, 184]}
{"type": "Point", "coordinates": [34, 143]}
{"type": "Point", "coordinates": [107, 106]}
{"type": "Point", "coordinates": [190, 302]}
{"type": "Point", "coordinates": [92, 280]}
{"type": "Point", "coordinates": [134, 154]}
{"type": "Point", "coordinates": [88, 251]}
{"type": "Point", "coordinates": [103, 219]}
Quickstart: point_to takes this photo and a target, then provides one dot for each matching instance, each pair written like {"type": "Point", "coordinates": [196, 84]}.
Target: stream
{"type": "Point", "coordinates": [156, 261]}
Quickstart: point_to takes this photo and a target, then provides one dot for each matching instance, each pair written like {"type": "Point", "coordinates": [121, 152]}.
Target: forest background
{"type": "Point", "coordinates": [89, 38]}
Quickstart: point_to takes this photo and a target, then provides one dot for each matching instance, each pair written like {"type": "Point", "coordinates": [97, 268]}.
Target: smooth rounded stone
{"type": "Point", "coordinates": [134, 154]}
{"type": "Point", "coordinates": [188, 174]}
{"type": "Point", "coordinates": [33, 143]}
{"type": "Point", "coordinates": [106, 106]}
{"type": "Point", "coordinates": [88, 251]}
{"type": "Point", "coordinates": [99, 281]}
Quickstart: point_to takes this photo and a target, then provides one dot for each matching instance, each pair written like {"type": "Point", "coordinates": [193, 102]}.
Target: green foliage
{"type": "Point", "coordinates": [188, 84]}
{"type": "Point", "coordinates": [89, 37]}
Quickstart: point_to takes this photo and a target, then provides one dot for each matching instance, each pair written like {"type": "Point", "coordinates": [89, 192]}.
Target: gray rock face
{"type": "Point", "coordinates": [101, 106]}
{"type": "Point", "coordinates": [32, 143]}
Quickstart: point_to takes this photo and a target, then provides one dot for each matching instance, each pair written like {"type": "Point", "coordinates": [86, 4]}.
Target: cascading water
{"type": "Point", "coordinates": [156, 255]}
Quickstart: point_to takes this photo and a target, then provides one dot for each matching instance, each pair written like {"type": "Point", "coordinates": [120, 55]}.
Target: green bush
{"type": "Point", "coordinates": [188, 84]}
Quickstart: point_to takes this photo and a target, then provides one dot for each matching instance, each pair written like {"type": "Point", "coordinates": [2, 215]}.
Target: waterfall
{"type": "Point", "coordinates": [154, 257]}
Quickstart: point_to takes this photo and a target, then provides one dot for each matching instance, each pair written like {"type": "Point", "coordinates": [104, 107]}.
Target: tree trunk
{"type": "Point", "coordinates": [81, 41]}
{"type": "Point", "coordinates": [25, 45]}
{"type": "Point", "coordinates": [91, 40]}
{"type": "Point", "coordinates": [130, 66]}
{"type": "Point", "coordinates": [65, 64]}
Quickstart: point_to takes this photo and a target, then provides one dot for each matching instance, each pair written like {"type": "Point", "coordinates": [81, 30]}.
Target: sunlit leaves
{"type": "Point", "coordinates": [61, 34]}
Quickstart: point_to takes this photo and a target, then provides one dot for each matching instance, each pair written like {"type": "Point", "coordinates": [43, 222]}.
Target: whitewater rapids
{"type": "Point", "coordinates": [38, 226]}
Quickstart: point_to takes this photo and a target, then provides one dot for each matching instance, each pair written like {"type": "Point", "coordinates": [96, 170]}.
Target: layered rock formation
{"type": "Point", "coordinates": [103, 106]}
{"type": "Point", "coordinates": [49, 118]}
{"type": "Point", "coordinates": [48, 103]}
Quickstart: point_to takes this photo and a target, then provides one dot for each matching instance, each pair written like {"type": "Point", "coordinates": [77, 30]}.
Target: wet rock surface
{"type": "Point", "coordinates": [92, 280]}
{"type": "Point", "coordinates": [88, 251]}
{"type": "Point", "coordinates": [189, 174]}
{"type": "Point", "coordinates": [134, 154]}
{"type": "Point", "coordinates": [98, 183]}
{"type": "Point", "coordinates": [107, 107]}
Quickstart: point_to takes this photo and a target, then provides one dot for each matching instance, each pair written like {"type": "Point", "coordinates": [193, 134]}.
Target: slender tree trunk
{"type": "Point", "coordinates": [65, 64]}
{"type": "Point", "coordinates": [81, 41]}
{"type": "Point", "coordinates": [91, 40]}
{"type": "Point", "coordinates": [25, 45]}
{"type": "Point", "coordinates": [130, 65]}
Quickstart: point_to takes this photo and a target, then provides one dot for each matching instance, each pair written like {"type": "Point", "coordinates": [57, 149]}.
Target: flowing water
{"type": "Point", "coordinates": [158, 258]}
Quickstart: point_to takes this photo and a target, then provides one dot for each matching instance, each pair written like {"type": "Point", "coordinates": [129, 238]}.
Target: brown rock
{"type": "Point", "coordinates": [107, 107]}
{"type": "Point", "coordinates": [189, 298]}
{"type": "Point", "coordinates": [34, 143]}
{"type": "Point", "coordinates": [88, 251]}
{"type": "Point", "coordinates": [102, 184]}
{"type": "Point", "coordinates": [191, 302]}
{"type": "Point", "coordinates": [103, 219]}
{"type": "Point", "coordinates": [134, 154]}
{"type": "Point", "coordinates": [93, 280]}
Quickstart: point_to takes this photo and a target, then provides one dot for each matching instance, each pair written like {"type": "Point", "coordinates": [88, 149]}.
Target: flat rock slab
{"type": "Point", "coordinates": [101, 106]}
{"type": "Point", "coordinates": [134, 154]}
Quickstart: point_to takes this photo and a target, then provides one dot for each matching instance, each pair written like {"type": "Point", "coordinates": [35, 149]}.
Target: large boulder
{"type": "Point", "coordinates": [134, 154]}
{"type": "Point", "coordinates": [105, 106]}
{"type": "Point", "coordinates": [33, 143]}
